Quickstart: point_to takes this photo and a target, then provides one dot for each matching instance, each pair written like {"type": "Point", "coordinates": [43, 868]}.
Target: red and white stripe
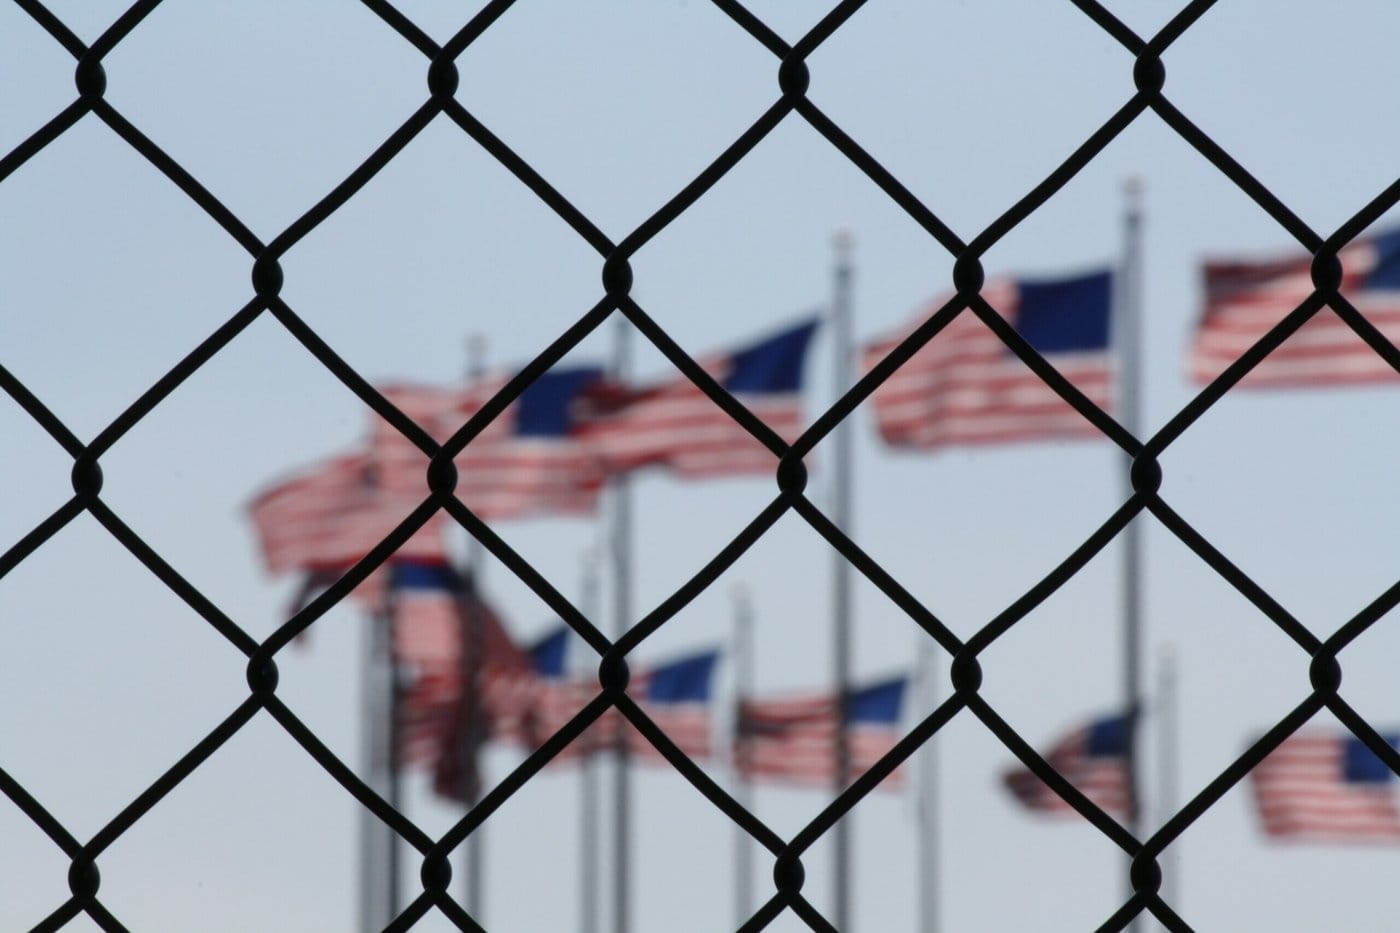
{"type": "Point", "coordinates": [677, 426]}
{"type": "Point", "coordinates": [1301, 793]}
{"type": "Point", "coordinates": [430, 660]}
{"type": "Point", "coordinates": [1244, 300]}
{"type": "Point", "coordinates": [966, 387]}
{"type": "Point", "coordinates": [499, 475]}
{"type": "Point", "coordinates": [793, 741]}
{"type": "Point", "coordinates": [330, 516]}
{"type": "Point", "coordinates": [1101, 778]}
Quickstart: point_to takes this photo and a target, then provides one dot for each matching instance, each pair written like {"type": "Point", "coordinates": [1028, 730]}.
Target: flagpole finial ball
{"type": "Point", "coordinates": [436, 873]}
{"type": "Point", "coordinates": [84, 878]}
{"type": "Point", "coordinates": [788, 874]}
{"type": "Point", "coordinates": [617, 275]}
{"type": "Point", "coordinates": [442, 476]}
{"type": "Point", "coordinates": [90, 77]}
{"type": "Point", "coordinates": [1149, 74]}
{"type": "Point", "coordinates": [1145, 474]}
{"type": "Point", "coordinates": [792, 476]}
{"type": "Point", "coordinates": [262, 676]}
{"type": "Point", "coordinates": [267, 276]}
{"type": "Point", "coordinates": [86, 477]}
{"type": "Point", "coordinates": [1325, 674]}
{"type": "Point", "coordinates": [966, 674]}
{"type": "Point", "coordinates": [613, 674]}
{"type": "Point", "coordinates": [1327, 272]}
{"type": "Point", "coordinates": [1146, 875]}
{"type": "Point", "coordinates": [968, 275]}
{"type": "Point", "coordinates": [442, 78]}
{"type": "Point", "coordinates": [793, 76]}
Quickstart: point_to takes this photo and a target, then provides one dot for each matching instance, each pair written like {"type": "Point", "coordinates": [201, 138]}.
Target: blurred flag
{"type": "Point", "coordinates": [793, 740]}
{"type": "Point", "coordinates": [675, 425]}
{"type": "Point", "coordinates": [675, 696]}
{"type": "Point", "coordinates": [528, 461]}
{"type": "Point", "coordinates": [543, 703]}
{"type": "Point", "coordinates": [1244, 299]}
{"type": "Point", "coordinates": [1094, 758]}
{"type": "Point", "coordinates": [1327, 787]}
{"type": "Point", "coordinates": [327, 517]}
{"type": "Point", "coordinates": [966, 387]}
{"type": "Point", "coordinates": [439, 620]}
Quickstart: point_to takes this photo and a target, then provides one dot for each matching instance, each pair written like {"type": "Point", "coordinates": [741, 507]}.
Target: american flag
{"type": "Point", "coordinates": [1094, 758]}
{"type": "Point", "coordinates": [675, 696]}
{"type": "Point", "coordinates": [528, 461]}
{"type": "Point", "coordinates": [329, 516]}
{"type": "Point", "coordinates": [793, 740]}
{"type": "Point", "coordinates": [675, 425]}
{"type": "Point", "coordinates": [1327, 787]}
{"type": "Point", "coordinates": [543, 702]}
{"type": "Point", "coordinates": [437, 618]}
{"type": "Point", "coordinates": [1244, 299]}
{"type": "Point", "coordinates": [966, 387]}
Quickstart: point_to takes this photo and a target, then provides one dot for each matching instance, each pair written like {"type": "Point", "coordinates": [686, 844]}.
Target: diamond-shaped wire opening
{"type": "Point", "coordinates": [1274, 101]}
{"type": "Point", "coordinates": [576, 138]}
{"type": "Point", "coordinates": [187, 476]}
{"type": "Point", "coordinates": [190, 850]}
{"type": "Point", "coordinates": [1242, 476]}
{"type": "Point", "coordinates": [97, 291]}
{"type": "Point", "coordinates": [349, 83]}
{"type": "Point", "coordinates": [176, 677]}
{"type": "Point", "coordinates": [448, 269]}
{"type": "Point", "coordinates": [1048, 97]}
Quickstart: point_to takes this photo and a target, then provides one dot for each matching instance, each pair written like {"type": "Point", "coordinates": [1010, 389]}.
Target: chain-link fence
{"type": "Point", "coordinates": [1144, 97]}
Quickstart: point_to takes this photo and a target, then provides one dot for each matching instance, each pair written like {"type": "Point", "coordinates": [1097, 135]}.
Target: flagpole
{"type": "Point", "coordinates": [929, 893]}
{"type": "Point", "coordinates": [1166, 706]}
{"type": "Point", "coordinates": [378, 849]}
{"type": "Point", "coordinates": [743, 791]}
{"type": "Point", "coordinates": [475, 564]}
{"type": "Point", "coordinates": [1127, 321]}
{"type": "Point", "coordinates": [841, 572]}
{"type": "Point", "coordinates": [588, 783]}
{"type": "Point", "coordinates": [622, 612]}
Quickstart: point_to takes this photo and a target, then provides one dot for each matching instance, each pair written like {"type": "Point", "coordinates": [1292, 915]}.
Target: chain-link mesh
{"type": "Point", "coordinates": [1145, 101]}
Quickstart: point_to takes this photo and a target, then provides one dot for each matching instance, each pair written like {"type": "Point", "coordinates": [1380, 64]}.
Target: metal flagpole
{"type": "Point", "coordinates": [378, 842]}
{"type": "Point", "coordinates": [1166, 707]}
{"type": "Point", "coordinates": [929, 891]}
{"type": "Point", "coordinates": [622, 611]}
{"type": "Point", "coordinates": [743, 792]}
{"type": "Point", "coordinates": [841, 572]}
{"type": "Point", "coordinates": [588, 783]}
{"type": "Point", "coordinates": [1127, 324]}
{"type": "Point", "coordinates": [475, 564]}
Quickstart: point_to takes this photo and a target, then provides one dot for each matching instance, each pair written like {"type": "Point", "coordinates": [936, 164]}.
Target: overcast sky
{"type": "Point", "coordinates": [111, 275]}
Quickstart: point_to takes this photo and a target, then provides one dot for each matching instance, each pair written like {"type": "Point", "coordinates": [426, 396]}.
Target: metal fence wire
{"type": "Point", "coordinates": [1144, 98]}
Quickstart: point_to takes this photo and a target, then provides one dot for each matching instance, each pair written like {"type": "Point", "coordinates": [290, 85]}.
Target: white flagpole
{"type": "Point", "coordinates": [841, 571]}
{"type": "Point", "coordinates": [588, 781]}
{"type": "Point", "coordinates": [622, 613]}
{"type": "Point", "coordinates": [1166, 707]}
{"type": "Point", "coordinates": [475, 563]}
{"type": "Point", "coordinates": [378, 842]}
{"type": "Point", "coordinates": [743, 791]}
{"type": "Point", "coordinates": [928, 821]}
{"type": "Point", "coordinates": [1127, 325]}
